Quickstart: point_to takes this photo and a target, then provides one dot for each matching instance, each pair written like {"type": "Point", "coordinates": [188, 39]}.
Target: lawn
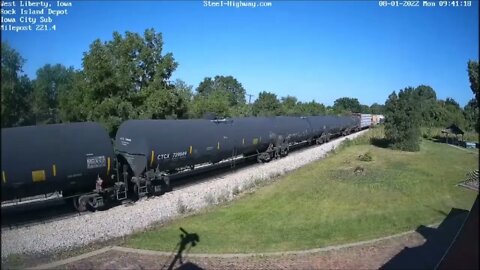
{"type": "Point", "coordinates": [326, 203]}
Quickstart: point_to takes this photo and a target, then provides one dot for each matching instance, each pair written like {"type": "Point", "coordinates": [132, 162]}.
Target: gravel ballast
{"type": "Point", "coordinates": [123, 220]}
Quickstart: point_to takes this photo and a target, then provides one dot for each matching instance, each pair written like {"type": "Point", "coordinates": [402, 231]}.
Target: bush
{"type": "Point", "coordinates": [365, 157]}
{"type": "Point", "coordinates": [359, 170]}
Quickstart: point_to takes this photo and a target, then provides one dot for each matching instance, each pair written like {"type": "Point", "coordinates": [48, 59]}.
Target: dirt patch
{"type": "Point", "coordinates": [368, 256]}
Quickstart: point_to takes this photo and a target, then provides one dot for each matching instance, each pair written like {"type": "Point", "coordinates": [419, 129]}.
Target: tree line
{"type": "Point", "coordinates": [413, 108]}
{"type": "Point", "coordinates": [128, 77]}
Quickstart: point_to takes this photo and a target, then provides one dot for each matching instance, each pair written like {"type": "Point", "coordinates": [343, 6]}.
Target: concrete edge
{"type": "Point", "coordinates": [232, 255]}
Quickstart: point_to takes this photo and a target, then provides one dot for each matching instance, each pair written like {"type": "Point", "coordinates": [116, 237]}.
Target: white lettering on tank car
{"type": "Point", "coordinates": [125, 141]}
{"type": "Point", "coordinates": [96, 162]}
{"type": "Point", "coordinates": [179, 154]}
{"type": "Point", "coordinates": [163, 156]}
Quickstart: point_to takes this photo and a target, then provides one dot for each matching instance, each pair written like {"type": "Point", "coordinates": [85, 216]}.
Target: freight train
{"type": "Point", "coordinates": [79, 161]}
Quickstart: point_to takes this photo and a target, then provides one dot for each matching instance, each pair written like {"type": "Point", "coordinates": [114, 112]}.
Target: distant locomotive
{"type": "Point", "coordinates": [78, 160]}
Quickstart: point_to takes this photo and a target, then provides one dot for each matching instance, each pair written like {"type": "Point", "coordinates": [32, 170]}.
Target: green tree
{"type": "Point", "coordinates": [289, 106]}
{"type": "Point", "coordinates": [71, 100]}
{"type": "Point", "coordinates": [346, 104]}
{"type": "Point", "coordinates": [402, 120]}
{"type": "Point", "coordinates": [50, 82]}
{"type": "Point", "coordinates": [127, 78]}
{"type": "Point", "coordinates": [16, 89]}
{"type": "Point", "coordinates": [450, 113]}
{"type": "Point", "coordinates": [472, 115]}
{"type": "Point", "coordinates": [225, 84]}
{"type": "Point", "coordinates": [427, 100]}
{"type": "Point", "coordinates": [376, 108]}
{"type": "Point", "coordinates": [473, 77]}
{"type": "Point", "coordinates": [267, 104]}
{"type": "Point", "coordinates": [311, 108]}
{"type": "Point", "coordinates": [217, 103]}
{"type": "Point", "coordinates": [241, 110]}
{"type": "Point", "coordinates": [364, 109]}
{"type": "Point", "coordinates": [329, 110]}
{"type": "Point", "coordinates": [185, 94]}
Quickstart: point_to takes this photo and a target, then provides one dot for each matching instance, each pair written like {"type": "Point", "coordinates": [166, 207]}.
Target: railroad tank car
{"type": "Point", "coordinates": [169, 144]}
{"type": "Point", "coordinates": [291, 129]}
{"type": "Point", "coordinates": [351, 124]}
{"type": "Point", "coordinates": [151, 149]}
{"type": "Point", "coordinates": [335, 124]}
{"type": "Point", "coordinates": [320, 128]}
{"type": "Point", "coordinates": [60, 157]}
{"type": "Point", "coordinates": [250, 134]}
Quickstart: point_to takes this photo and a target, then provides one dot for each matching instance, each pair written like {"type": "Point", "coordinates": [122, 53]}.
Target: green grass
{"type": "Point", "coordinates": [326, 203]}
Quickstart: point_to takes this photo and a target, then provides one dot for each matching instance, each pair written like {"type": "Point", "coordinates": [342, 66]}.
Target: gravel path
{"type": "Point", "coordinates": [123, 220]}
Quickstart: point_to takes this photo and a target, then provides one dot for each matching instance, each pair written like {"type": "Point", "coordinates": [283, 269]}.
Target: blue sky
{"type": "Point", "coordinates": [320, 50]}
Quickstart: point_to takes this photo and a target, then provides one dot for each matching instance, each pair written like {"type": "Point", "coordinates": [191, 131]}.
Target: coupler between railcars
{"type": "Point", "coordinates": [154, 183]}
{"type": "Point", "coordinates": [323, 138]}
{"type": "Point", "coordinates": [274, 152]}
{"type": "Point", "coordinates": [99, 198]}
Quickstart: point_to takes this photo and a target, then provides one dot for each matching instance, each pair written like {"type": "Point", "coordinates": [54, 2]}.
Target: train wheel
{"type": "Point", "coordinates": [80, 204]}
{"type": "Point", "coordinates": [166, 184]}
{"type": "Point", "coordinates": [136, 194]}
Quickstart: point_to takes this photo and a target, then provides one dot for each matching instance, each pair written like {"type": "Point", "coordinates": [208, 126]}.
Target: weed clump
{"type": "Point", "coordinates": [365, 157]}
{"type": "Point", "coordinates": [181, 207]}
{"type": "Point", "coordinates": [236, 190]}
{"type": "Point", "coordinates": [209, 199]}
{"type": "Point", "coordinates": [359, 170]}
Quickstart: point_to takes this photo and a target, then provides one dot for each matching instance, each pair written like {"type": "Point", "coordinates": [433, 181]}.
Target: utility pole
{"type": "Point", "coordinates": [249, 98]}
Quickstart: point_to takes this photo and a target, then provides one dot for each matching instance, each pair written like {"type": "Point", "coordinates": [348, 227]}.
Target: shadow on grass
{"type": "Point", "coordinates": [452, 141]}
{"type": "Point", "coordinates": [380, 142]}
{"type": "Point", "coordinates": [438, 139]}
{"type": "Point", "coordinates": [186, 240]}
{"type": "Point", "coordinates": [443, 249]}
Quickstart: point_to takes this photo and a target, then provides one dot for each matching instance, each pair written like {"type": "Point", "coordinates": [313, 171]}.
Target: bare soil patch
{"type": "Point", "coordinates": [368, 256]}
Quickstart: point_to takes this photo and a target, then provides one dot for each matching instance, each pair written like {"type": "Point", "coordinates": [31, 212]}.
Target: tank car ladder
{"type": "Point", "coordinates": [233, 162]}
{"type": "Point", "coordinates": [121, 188]}
{"type": "Point", "coordinates": [142, 188]}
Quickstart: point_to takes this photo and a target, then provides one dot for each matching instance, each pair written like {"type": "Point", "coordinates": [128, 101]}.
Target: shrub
{"type": "Point", "coordinates": [359, 170]}
{"type": "Point", "coordinates": [365, 157]}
